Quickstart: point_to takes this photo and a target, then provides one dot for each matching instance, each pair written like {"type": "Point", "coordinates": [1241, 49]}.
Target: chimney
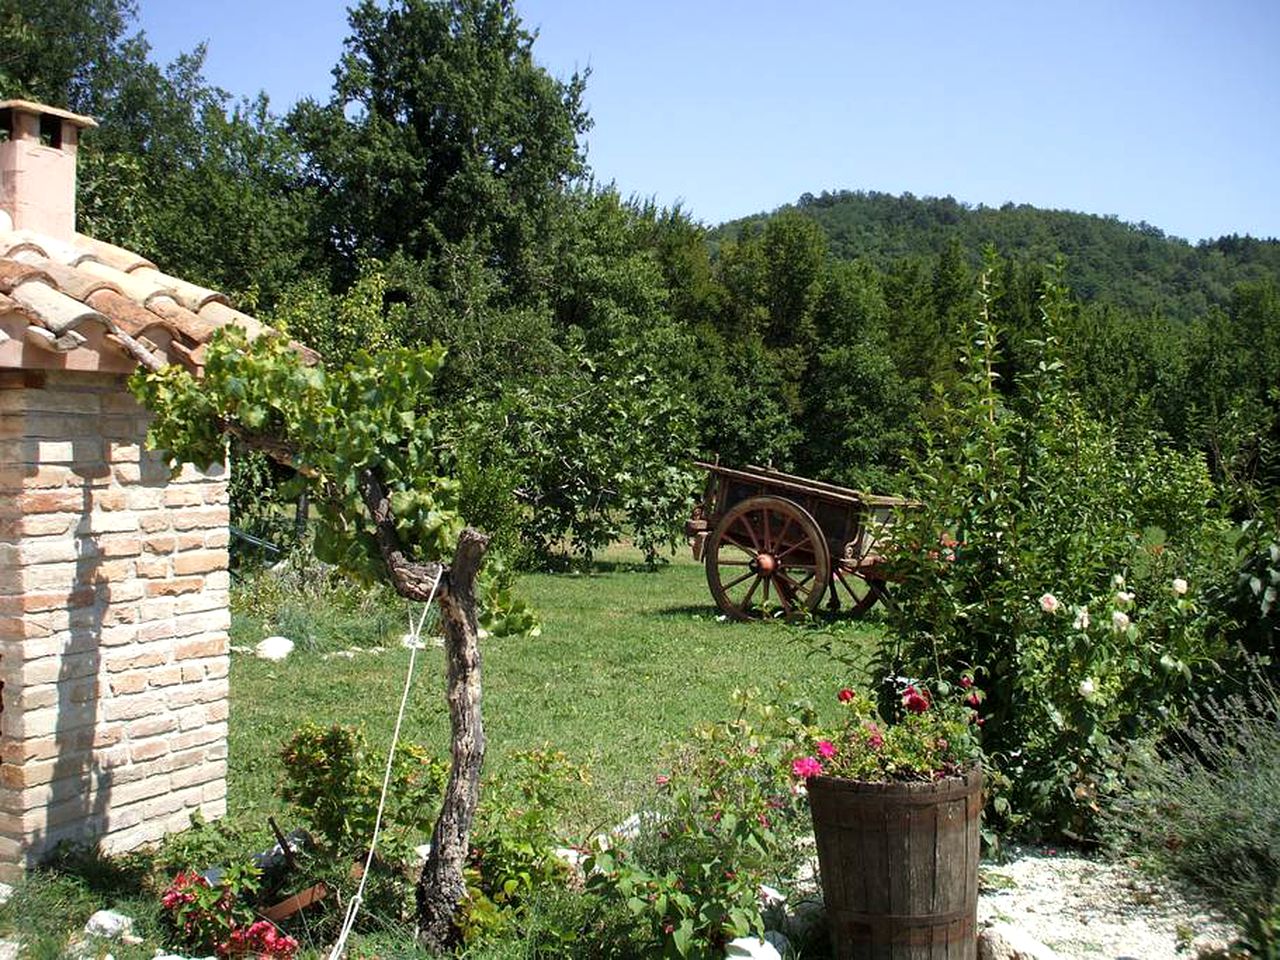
{"type": "Point", "coordinates": [38, 166]}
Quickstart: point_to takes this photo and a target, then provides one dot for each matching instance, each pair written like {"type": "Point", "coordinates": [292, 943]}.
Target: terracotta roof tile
{"type": "Point", "coordinates": [72, 304]}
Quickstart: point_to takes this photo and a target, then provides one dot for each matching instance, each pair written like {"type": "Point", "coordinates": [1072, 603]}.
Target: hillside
{"type": "Point", "coordinates": [1135, 266]}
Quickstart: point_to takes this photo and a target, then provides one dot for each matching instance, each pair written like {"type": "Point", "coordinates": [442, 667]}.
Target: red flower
{"type": "Point", "coordinates": [916, 701]}
{"type": "Point", "coordinates": [966, 682]}
{"type": "Point", "coordinates": [845, 695]}
{"type": "Point", "coordinates": [972, 700]}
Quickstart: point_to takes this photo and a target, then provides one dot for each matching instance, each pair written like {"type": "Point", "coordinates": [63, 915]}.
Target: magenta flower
{"type": "Point", "coordinates": [806, 767]}
{"type": "Point", "coordinates": [662, 779]}
{"type": "Point", "coordinates": [845, 695]}
{"type": "Point", "coordinates": [826, 749]}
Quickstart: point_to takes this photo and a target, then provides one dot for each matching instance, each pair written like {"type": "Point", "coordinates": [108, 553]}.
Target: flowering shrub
{"type": "Point", "coordinates": [931, 738]}
{"type": "Point", "coordinates": [1049, 505]}
{"type": "Point", "coordinates": [215, 917]}
{"type": "Point", "coordinates": [719, 828]}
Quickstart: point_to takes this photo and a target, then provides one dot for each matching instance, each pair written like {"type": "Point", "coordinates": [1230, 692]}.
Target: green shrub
{"type": "Point", "coordinates": [512, 858]}
{"type": "Point", "coordinates": [722, 823]}
{"type": "Point", "coordinates": [335, 783]}
{"type": "Point", "coordinates": [1204, 810]}
{"type": "Point", "coordinates": [1059, 561]}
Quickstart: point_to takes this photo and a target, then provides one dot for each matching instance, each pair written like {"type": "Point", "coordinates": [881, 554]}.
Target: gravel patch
{"type": "Point", "coordinates": [1085, 908]}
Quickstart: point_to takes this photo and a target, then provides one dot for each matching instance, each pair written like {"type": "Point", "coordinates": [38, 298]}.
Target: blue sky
{"type": "Point", "coordinates": [1166, 112]}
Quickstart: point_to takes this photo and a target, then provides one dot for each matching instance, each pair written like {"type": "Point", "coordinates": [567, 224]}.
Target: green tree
{"type": "Point", "coordinates": [442, 132]}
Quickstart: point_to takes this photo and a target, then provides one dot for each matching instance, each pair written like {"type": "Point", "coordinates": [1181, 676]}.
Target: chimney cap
{"type": "Point", "coordinates": [28, 106]}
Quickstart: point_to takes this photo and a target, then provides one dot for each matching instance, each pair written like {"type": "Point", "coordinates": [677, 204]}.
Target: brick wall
{"type": "Point", "coordinates": [113, 623]}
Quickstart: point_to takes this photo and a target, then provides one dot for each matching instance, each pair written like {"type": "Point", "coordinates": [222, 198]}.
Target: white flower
{"type": "Point", "coordinates": [1118, 581]}
{"type": "Point", "coordinates": [1049, 603]}
{"type": "Point", "coordinates": [1123, 598]}
{"type": "Point", "coordinates": [1082, 618]}
{"type": "Point", "coordinates": [1119, 621]}
{"type": "Point", "coordinates": [1179, 586]}
{"type": "Point", "coordinates": [1087, 688]}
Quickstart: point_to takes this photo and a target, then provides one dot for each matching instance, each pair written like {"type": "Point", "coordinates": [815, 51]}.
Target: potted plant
{"type": "Point", "coordinates": [896, 811]}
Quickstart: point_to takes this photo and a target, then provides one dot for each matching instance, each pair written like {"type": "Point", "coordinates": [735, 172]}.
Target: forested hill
{"type": "Point", "coordinates": [1135, 266]}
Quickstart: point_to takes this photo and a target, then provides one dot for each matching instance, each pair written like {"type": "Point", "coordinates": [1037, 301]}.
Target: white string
{"type": "Point", "coordinates": [353, 906]}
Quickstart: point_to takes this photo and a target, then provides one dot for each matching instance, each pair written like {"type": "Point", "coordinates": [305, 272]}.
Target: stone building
{"type": "Point", "coordinates": [113, 573]}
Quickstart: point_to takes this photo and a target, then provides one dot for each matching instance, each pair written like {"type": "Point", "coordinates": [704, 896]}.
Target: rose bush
{"type": "Point", "coordinates": [1048, 505]}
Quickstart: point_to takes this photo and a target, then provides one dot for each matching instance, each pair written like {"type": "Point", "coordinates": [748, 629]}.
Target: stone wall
{"type": "Point", "coordinates": [113, 623]}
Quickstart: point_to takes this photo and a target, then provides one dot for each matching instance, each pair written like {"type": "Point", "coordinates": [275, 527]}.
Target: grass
{"type": "Point", "coordinates": [627, 661]}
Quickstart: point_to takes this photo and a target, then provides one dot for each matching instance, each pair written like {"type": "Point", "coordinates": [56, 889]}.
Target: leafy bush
{"type": "Point", "coordinates": [599, 448]}
{"type": "Point", "coordinates": [513, 847]}
{"type": "Point", "coordinates": [1250, 603]}
{"type": "Point", "coordinates": [1043, 557]}
{"type": "Point", "coordinates": [1204, 810]}
{"type": "Point", "coordinates": [720, 826]}
{"type": "Point", "coordinates": [335, 783]}
{"type": "Point", "coordinates": [219, 916]}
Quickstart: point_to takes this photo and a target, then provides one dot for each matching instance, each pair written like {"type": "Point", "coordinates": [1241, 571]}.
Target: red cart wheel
{"type": "Point", "coordinates": [767, 558]}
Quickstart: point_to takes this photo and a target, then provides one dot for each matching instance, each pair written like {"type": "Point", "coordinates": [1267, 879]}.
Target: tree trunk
{"type": "Point", "coordinates": [441, 887]}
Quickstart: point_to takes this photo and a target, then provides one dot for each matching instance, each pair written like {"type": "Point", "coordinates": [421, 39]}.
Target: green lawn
{"type": "Point", "coordinates": [627, 661]}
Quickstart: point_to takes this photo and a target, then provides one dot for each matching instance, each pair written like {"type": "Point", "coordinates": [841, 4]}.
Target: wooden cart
{"type": "Point", "coordinates": [775, 544]}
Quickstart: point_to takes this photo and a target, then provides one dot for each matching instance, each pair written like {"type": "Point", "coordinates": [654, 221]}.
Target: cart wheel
{"type": "Point", "coordinates": [854, 593]}
{"type": "Point", "coordinates": [767, 557]}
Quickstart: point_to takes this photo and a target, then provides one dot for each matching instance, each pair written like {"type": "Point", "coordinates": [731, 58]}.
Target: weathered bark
{"type": "Point", "coordinates": [441, 887]}
{"type": "Point", "coordinates": [411, 579]}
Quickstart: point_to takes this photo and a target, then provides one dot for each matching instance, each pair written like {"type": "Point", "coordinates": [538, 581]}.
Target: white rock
{"type": "Point", "coordinates": [752, 948]}
{"type": "Point", "coordinates": [273, 648]}
{"type": "Point", "coordinates": [778, 940]}
{"type": "Point", "coordinates": [570, 856]}
{"type": "Point", "coordinates": [6, 892]}
{"type": "Point", "coordinates": [109, 924]}
{"type": "Point", "coordinates": [423, 851]}
{"type": "Point", "coordinates": [630, 828]}
{"type": "Point", "coordinates": [1002, 941]}
{"type": "Point", "coordinates": [770, 896]}
{"type": "Point", "coordinates": [9, 949]}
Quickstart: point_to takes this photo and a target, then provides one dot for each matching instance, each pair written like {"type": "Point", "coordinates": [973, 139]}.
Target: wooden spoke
{"type": "Point", "coordinates": [854, 593]}
{"type": "Point", "coordinates": [729, 541]}
{"type": "Point", "coordinates": [734, 583]}
{"type": "Point", "coordinates": [746, 523]}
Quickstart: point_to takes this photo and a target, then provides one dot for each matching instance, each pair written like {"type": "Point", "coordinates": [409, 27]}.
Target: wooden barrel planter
{"type": "Point", "coordinates": [899, 866]}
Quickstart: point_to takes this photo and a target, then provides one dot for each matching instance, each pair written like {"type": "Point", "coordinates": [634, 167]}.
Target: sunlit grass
{"type": "Point", "coordinates": [627, 661]}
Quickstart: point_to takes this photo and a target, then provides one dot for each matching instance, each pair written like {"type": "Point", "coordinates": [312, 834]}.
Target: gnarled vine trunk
{"type": "Point", "coordinates": [441, 887]}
